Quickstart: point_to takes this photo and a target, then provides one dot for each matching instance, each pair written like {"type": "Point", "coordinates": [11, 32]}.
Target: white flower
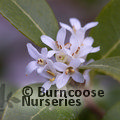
{"type": "Point", "coordinates": [63, 57]}
{"type": "Point", "coordinates": [78, 32]}
{"type": "Point", "coordinates": [50, 74]}
{"type": "Point", "coordinates": [81, 51]}
{"type": "Point", "coordinates": [76, 26]}
{"type": "Point", "coordinates": [57, 45]}
{"type": "Point", "coordinates": [40, 61]}
{"type": "Point", "coordinates": [67, 72]}
{"type": "Point", "coordinates": [80, 46]}
{"type": "Point", "coordinates": [86, 72]}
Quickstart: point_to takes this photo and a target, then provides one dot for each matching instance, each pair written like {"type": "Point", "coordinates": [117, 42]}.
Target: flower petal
{"type": "Point", "coordinates": [90, 61]}
{"type": "Point", "coordinates": [48, 41]}
{"type": "Point", "coordinates": [44, 51]}
{"type": "Point", "coordinates": [47, 85]}
{"type": "Point", "coordinates": [31, 67]}
{"type": "Point", "coordinates": [75, 22]}
{"type": "Point", "coordinates": [74, 43]}
{"type": "Point", "coordinates": [88, 41]}
{"type": "Point", "coordinates": [78, 77]}
{"type": "Point", "coordinates": [33, 51]}
{"type": "Point", "coordinates": [45, 75]}
{"type": "Point", "coordinates": [67, 27]}
{"type": "Point", "coordinates": [60, 66]}
{"type": "Point", "coordinates": [90, 25]}
{"type": "Point", "coordinates": [75, 63]}
{"type": "Point", "coordinates": [95, 49]}
{"type": "Point", "coordinates": [51, 53]}
{"type": "Point", "coordinates": [40, 69]}
{"type": "Point", "coordinates": [86, 76]}
{"type": "Point", "coordinates": [61, 36]}
{"type": "Point", "coordinates": [80, 59]}
{"type": "Point", "coordinates": [62, 80]}
{"type": "Point", "coordinates": [51, 66]}
{"type": "Point", "coordinates": [80, 35]}
{"type": "Point", "coordinates": [85, 50]}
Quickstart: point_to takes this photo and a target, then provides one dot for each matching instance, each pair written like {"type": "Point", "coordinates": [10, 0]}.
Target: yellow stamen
{"type": "Point", "coordinates": [72, 70]}
{"type": "Point", "coordinates": [68, 45]}
{"type": "Point", "coordinates": [73, 54]}
{"type": "Point", "coordinates": [82, 44]}
{"type": "Point", "coordinates": [40, 61]}
{"type": "Point", "coordinates": [67, 71]}
{"type": "Point", "coordinates": [60, 47]}
{"type": "Point", "coordinates": [51, 80]}
{"type": "Point", "coordinates": [77, 51]}
{"type": "Point", "coordinates": [74, 29]}
{"type": "Point", "coordinates": [57, 44]}
{"type": "Point", "coordinates": [51, 73]}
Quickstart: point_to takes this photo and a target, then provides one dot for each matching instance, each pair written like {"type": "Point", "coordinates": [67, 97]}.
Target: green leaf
{"type": "Point", "coordinates": [107, 33]}
{"type": "Point", "coordinates": [87, 114]}
{"type": "Point", "coordinates": [113, 113]}
{"type": "Point", "coordinates": [111, 90]}
{"type": "Point", "coordinates": [31, 17]}
{"type": "Point", "coordinates": [6, 90]}
{"type": "Point", "coordinates": [40, 112]}
{"type": "Point", "coordinates": [109, 66]}
{"type": "Point", "coordinates": [15, 100]}
{"type": "Point", "coordinates": [10, 105]}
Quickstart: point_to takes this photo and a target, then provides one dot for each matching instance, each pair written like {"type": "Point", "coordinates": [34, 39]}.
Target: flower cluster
{"type": "Point", "coordinates": [68, 57]}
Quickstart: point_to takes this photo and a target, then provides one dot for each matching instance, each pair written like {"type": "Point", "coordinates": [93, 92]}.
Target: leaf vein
{"type": "Point", "coordinates": [112, 49]}
{"type": "Point", "coordinates": [117, 43]}
{"type": "Point", "coordinates": [38, 113]}
{"type": "Point", "coordinates": [28, 16]}
{"type": "Point", "coordinates": [105, 66]}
